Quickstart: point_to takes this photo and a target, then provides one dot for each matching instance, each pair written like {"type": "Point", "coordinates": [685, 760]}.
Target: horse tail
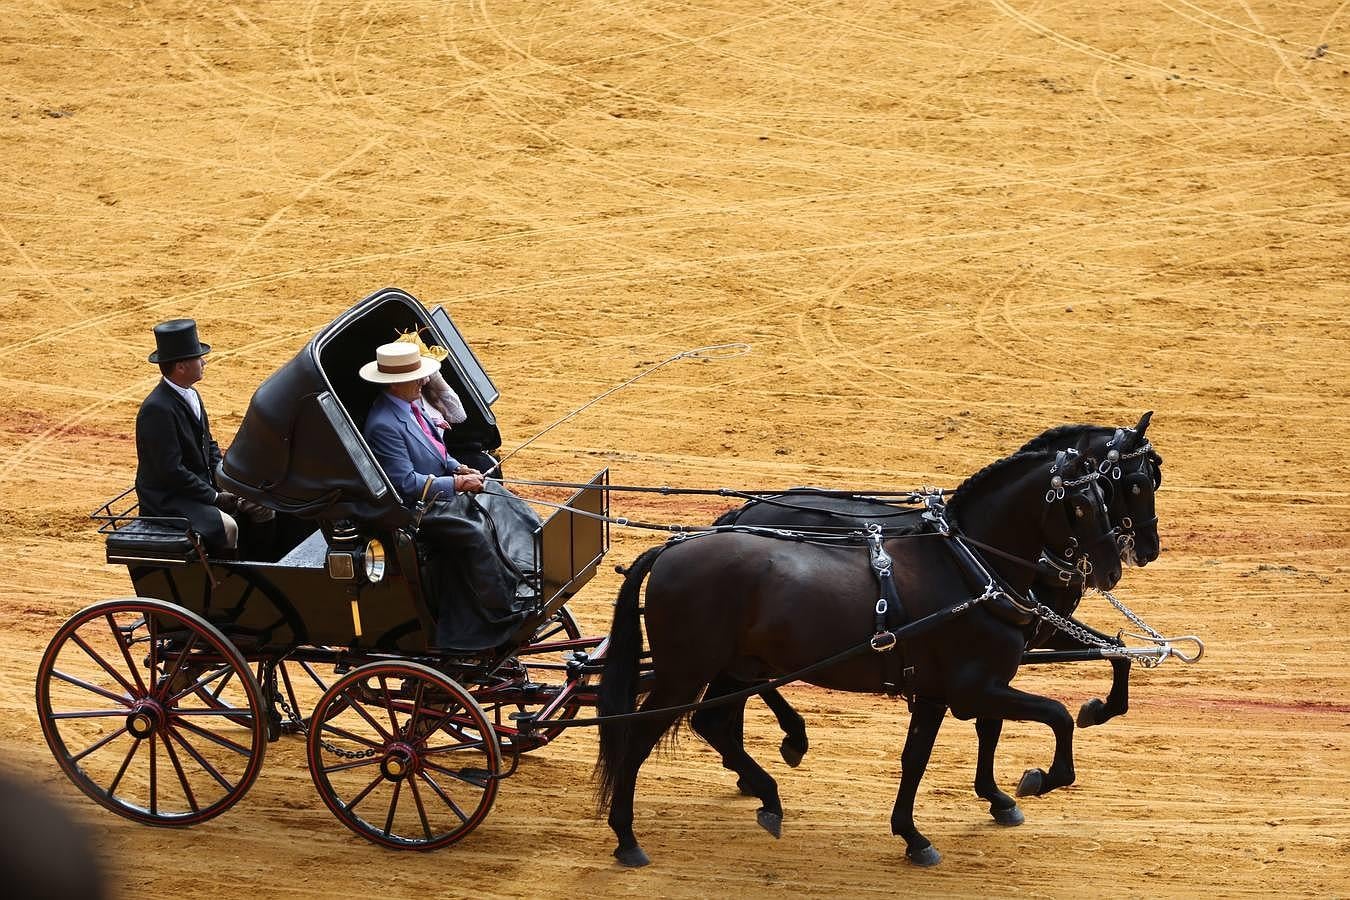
{"type": "Point", "coordinates": [618, 689]}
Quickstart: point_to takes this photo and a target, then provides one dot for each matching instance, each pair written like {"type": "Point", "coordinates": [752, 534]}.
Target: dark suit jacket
{"type": "Point", "coordinates": [177, 459]}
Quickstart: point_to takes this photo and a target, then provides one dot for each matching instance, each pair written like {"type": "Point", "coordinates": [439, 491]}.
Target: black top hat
{"type": "Point", "coordinates": [177, 339]}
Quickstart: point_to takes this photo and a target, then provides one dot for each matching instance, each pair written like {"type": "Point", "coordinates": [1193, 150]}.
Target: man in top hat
{"type": "Point", "coordinates": [176, 454]}
{"type": "Point", "coordinates": [401, 432]}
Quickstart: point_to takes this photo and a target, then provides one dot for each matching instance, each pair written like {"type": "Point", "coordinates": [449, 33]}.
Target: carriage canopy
{"type": "Point", "coordinates": [299, 449]}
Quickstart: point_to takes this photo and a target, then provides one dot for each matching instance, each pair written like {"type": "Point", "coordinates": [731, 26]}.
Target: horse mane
{"type": "Point", "coordinates": [729, 517]}
{"type": "Point", "coordinates": [1056, 437]}
{"type": "Point", "coordinates": [967, 487]}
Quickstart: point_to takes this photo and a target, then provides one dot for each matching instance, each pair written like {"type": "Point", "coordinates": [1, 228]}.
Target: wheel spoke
{"type": "Point", "coordinates": [101, 742]}
{"type": "Point", "coordinates": [107, 666]}
{"type": "Point", "coordinates": [365, 793]}
{"type": "Point", "coordinates": [89, 714]}
{"type": "Point", "coordinates": [117, 779]}
{"type": "Point", "coordinates": [473, 779]}
{"type": "Point", "coordinates": [421, 810]}
{"type": "Point", "coordinates": [167, 680]}
{"type": "Point", "coordinates": [353, 764]}
{"type": "Point", "coordinates": [393, 808]}
{"type": "Point", "coordinates": [218, 674]}
{"type": "Point", "coordinates": [478, 746]}
{"type": "Point", "coordinates": [212, 736]}
{"type": "Point", "coordinates": [182, 777]}
{"type": "Point", "coordinates": [154, 777]}
{"type": "Point", "coordinates": [445, 798]}
{"type": "Point", "coordinates": [125, 647]}
{"type": "Point", "coordinates": [360, 710]}
{"type": "Point", "coordinates": [220, 688]}
{"type": "Point", "coordinates": [389, 707]}
{"type": "Point", "coordinates": [92, 688]}
{"type": "Point", "coordinates": [201, 760]}
{"type": "Point", "coordinates": [153, 630]}
{"type": "Point", "coordinates": [330, 728]}
{"type": "Point", "coordinates": [416, 711]}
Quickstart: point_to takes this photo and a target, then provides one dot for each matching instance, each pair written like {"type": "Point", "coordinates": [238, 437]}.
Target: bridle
{"type": "Point", "coordinates": [1116, 468]}
{"type": "Point", "coordinates": [1076, 558]}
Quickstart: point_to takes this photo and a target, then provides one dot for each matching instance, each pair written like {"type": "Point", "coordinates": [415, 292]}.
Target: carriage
{"type": "Point", "coordinates": [160, 706]}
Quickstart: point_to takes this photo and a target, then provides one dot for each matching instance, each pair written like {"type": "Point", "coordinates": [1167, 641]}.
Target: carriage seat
{"type": "Point", "coordinates": [149, 541]}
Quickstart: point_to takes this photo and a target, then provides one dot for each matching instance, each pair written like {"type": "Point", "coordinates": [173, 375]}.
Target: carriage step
{"type": "Point", "coordinates": [476, 777]}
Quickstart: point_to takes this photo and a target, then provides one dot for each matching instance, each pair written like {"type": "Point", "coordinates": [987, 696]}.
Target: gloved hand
{"type": "Point", "coordinates": [227, 502]}
{"type": "Point", "coordinates": [256, 512]}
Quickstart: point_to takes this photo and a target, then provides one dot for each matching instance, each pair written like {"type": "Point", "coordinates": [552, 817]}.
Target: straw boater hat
{"type": "Point", "coordinates": [398, 362]}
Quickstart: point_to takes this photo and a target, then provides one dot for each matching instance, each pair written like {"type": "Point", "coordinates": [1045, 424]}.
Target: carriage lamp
{"type": "Point", "coordinates": [343, 550]}
{"type": "Point", "coordinates": [374, 561]}
{"type": "Point", "coordinates": [341, 565]}
{"type": "Point", "coordinates": [370, 561]}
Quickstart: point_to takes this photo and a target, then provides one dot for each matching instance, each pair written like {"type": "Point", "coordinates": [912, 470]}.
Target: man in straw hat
{"type": "Point", "coordinates": [401, 433]}
{"type": "Point", "coordinates": [176, 454]}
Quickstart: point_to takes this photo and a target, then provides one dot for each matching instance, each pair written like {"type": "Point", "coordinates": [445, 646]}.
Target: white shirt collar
{"type": "Point", "coordinates": [193, 400]}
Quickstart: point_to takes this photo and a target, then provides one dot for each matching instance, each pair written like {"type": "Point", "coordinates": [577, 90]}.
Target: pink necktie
{"type": "Point", "coordinates": [417, 413]}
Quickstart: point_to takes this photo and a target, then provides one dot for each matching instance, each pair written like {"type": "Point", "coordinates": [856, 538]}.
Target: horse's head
{"type": "Point", "coordinates": [1133, 472]}
{"type": "Point", "coordinates": [1078, 524]}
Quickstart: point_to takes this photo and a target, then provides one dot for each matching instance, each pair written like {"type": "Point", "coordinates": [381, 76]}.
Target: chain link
{"type": "Point", "coordinates": [1076, 631]}
{"type": "Point", "coordinates": [299, 724]}
{"type": "Point", "coordinates": [1125, 611]}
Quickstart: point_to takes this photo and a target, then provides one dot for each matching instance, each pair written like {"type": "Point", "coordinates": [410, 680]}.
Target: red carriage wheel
{"type": "Point", "coordinates": [151, 711]}
{"type": "Point", "coordinates": [403, 756]}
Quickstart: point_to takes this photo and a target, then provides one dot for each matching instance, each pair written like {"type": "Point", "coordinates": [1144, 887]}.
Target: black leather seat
{"type": "Point", "coordinates": [149, 541]}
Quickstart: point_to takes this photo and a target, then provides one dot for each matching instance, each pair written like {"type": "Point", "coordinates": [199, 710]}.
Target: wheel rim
{"type": "Point", "coordinates": [151, 712]}
{"type": "Point", "coordinates": [403, 756]}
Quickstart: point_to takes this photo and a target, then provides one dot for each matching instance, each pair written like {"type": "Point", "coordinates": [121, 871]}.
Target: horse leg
{"type": "Point", "coordinates": [925, 718]}
{"type": "Point", "coordinates": [707, 720]}
{"type": "Point", "coordinates": [644, 735]}
{"type": "Point", "coordinates": [1095, 712]}
{"type": "Point", "coordinates": [794, 743]}
{"type": "Point", "coordinates": [723, 728]}
{"type": "Point", "coordinates": [1003, 701]}
{"type": "Point", "coordinates": [1002, 807]}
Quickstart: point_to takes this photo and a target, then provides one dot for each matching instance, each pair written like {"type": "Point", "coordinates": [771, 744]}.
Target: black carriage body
{"type": "Point", "coordinates": [300, 451]}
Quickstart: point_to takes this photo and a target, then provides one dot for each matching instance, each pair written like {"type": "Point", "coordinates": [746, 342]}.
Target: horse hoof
{"type": "Point", "coordinates": [632, 857]}
{"type": "Point", "coordinates": [792, 754]}
{"type": "Point", "coordinates": [1032, 783]}
{"type": "Point", "coordinates": [771, 822]}
{"type": "Point", "coordinates": [1010, 816]}
{"type": "Point", "coordinates": [1090, 713]}
{"type": "Point", "coordinates": [925, 857]}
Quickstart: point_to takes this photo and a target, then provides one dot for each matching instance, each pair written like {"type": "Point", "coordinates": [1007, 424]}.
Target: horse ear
{"type": "Point", "coordinates": [1143, 423]}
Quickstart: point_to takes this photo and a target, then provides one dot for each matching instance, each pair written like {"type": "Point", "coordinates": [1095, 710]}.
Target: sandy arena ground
{"type": "Point", "coordinates": [941, 227]}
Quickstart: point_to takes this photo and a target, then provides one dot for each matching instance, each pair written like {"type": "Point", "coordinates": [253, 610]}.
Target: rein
{"type": "Point", "coordinates": [889, 639]}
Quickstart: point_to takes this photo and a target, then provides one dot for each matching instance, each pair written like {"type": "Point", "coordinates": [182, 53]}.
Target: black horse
{"type": "Point", "coordinates": [1132, 471]}
{"type": "Point", "coordinates": [752, 606]}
